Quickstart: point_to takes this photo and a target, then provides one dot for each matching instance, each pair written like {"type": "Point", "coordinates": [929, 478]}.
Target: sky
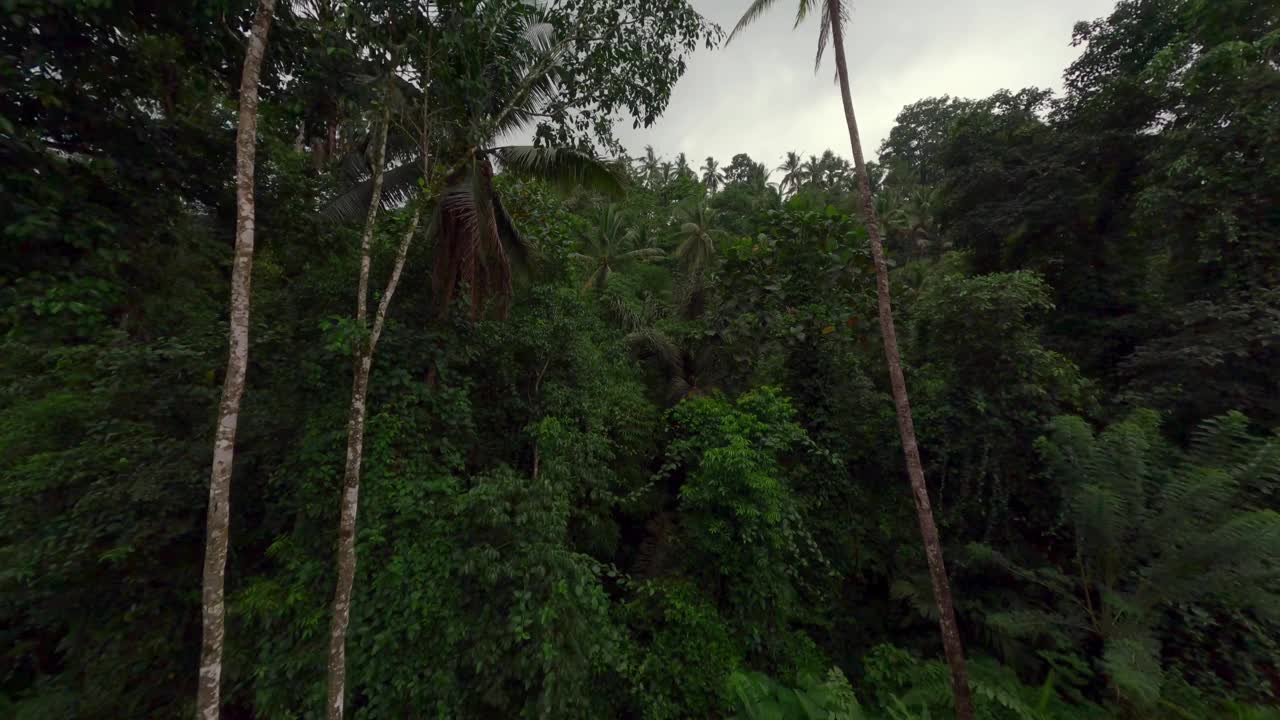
{"type": "Point", "coordinates": [759, 95]}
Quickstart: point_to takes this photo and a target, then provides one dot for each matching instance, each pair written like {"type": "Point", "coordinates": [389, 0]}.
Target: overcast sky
{"type": "Point", "coordinates": [759, 95]}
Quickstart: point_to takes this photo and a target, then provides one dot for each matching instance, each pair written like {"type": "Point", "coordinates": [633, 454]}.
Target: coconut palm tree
{"type": "Point", "coordinates": [697, 234]}
{"type": "Point", "coordinates": [477, 244]}
{"type": "Point", "coordinates": [832, 28]}
{"type": "Point", "coordinates": [649, 164]}
{"type": "Point", "coordinates": [915, 218]}
{"type": "Point", "coordinates": [690, 369]}
{"type": "Point", "coordinates": [814, 172]}
{"type": "Point", "coordinates": [476, 241]}
{"type": "Point", "coordinates": [889, 212]}
{"type": "Point", "coordinates": [712, 177]}
{"type": "Point", "coordinates": [666, 173]}
{"type": "Point", "coordinates": [611, 246]}
{"type": "Point", "coordinates": [792, 173]}
{"type": "Point", "coordinates": [683, 170]}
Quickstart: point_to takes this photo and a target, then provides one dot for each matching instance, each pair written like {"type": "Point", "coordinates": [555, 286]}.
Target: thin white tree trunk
{"type": "Point", "coordinates": [213, 608]}
{"type": "Point", "coordinates": [346, 559]}
{"type": "Point", "coordinates": [906, 426]}
{"type": "Point", "coordinates": [355, 429]}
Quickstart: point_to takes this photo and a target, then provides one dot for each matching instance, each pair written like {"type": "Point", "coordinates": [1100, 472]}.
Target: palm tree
{"type": "Point", "coordinates": [814, 173]}
{"type": "Point", "coordinates": [218, 530]}
{"type": "Point", "coordinates": [477, 244]}
{"type": "Point", "coordinates": [833, 169]}
{"type": "Point", "coordinates": [610, 247]}
{"type": "Point", "coordinates": [683, 170]}
{"type": "Point", "coordinates": [476, 241]}
{"type": "Point", "coordinates": [915, 218]}
{"type": "Point", "coordinates": [689, 369]}
{"type": "Point", "coordinates": [649, 164]}
{"type": "Point", "coordinates": [697, 234]}
{"type": "Point", "coordinates": [889, 212]}
{"type": "Point", "coordinates": [792, 174]}
{"type": "Point", "coordinates": [832, 27]}
{"type": "Point", "coordinates": [711, 175]}
{"type": "Point", "coordinates": [666, 173]}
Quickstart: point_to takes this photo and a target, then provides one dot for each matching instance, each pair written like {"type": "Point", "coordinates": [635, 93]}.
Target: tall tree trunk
{"type": "Point", "coordinates": [356, 421]}
{"type": "Point", "coordinates": [355, 449]}
{"type": "Point", "coordinates": [213, 609]}
{"type": "Point", "coordinates": [906, 427]}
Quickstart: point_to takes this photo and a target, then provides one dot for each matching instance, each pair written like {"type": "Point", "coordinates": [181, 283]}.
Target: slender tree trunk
{"type": "Point", "coordinates": [355, 448]}
{"type": "Point", "coordinates": [906, 427]}
{"type": "Point", "coordinates": [356, 423]}
{"type": "Point", "coordinates": [213, 608]}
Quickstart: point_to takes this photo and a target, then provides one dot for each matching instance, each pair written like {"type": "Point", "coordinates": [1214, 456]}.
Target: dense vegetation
{"type": "Point", "coordinates": [633, 454]}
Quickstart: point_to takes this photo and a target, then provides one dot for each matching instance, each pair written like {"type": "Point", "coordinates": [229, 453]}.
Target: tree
{"type": "Point", "coordinates": [1157, 530]}
{"type": "Point", "coordinates": [913, 217]}
{"type": "Point", "coordinates": [697, 234]}
{"type": "Point", "coordinates": [792, 173]}
{"type": "Point", "coordinates": [475, 241]}
{"type": "Point", "coordinates": [711, 175]}
{"type": "Point", "coordinates": [814, 173]}
{"type": "Point", "coordinates": [919, 134]}
{"type": "Point", "coordinates": [666, 173]}
{"type": "Point", "coordinates": [834, 170]}
{"type": "Point", "coordinates": [683, 170]}
{"type": "Point", "coordinates": [610, 247]}
{"type": "Point", "coordinates": [743, 170]}
{"type": "Point", "coordinates": [213, 608]}
{"type": "Point", "coordinates": [832, 26]}
{"type": "Point", "coordinates": [649, 164]}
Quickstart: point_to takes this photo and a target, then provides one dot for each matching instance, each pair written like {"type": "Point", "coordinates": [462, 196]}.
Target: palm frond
{"type": "Point", "coordinates": [537, 85]}
{"type": "Point", "coordinates": [478, 244]}
{"type": "Point", "coordinates": [824, 36]}
{"type": "Point", "coordinates": [653, 343]}
{"type": "Point", "coordinates": [519, 250]}
{"type": "Point", "coordinates": [1133, 666]}
{"type": "Point", "coordinates": [824, 32]}
{"type": "Point", "coordinates": [540, 36]}
{"type": "Point", "coordinates": [753, 13]}
{"type": "Point", "coordinates": [803, 8]}
{"type": "Point", "coordinates": [566, 168]}
{"type": "Point", "coordinates": [643, 254]}
{"type": "Point", "coordinates": [398, 185]}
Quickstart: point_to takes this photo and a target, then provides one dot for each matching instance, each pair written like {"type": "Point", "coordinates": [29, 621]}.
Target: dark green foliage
{"type": "Point", "coordinates": [759, 697]}
{"type": "Point", "coordinates": [1156, 532]}
{"type": "Point", "coordinates": [682, 652]}
{"type": "Point", "coordinates": [985, 384]}
{"type": "Point", "coordinates": [675, 493]}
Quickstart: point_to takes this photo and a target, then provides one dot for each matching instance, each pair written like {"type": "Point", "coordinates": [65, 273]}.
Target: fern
{"type": "Point", "coordinates": [1155, 528]}
{"type": "Point", "coordinates": [909, 688]}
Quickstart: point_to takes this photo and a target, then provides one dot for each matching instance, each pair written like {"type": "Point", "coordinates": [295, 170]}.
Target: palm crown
{"type": "Point", "coordinates": [477, 243]}
{"type": "Point", "coordinates": [611, 246]}
{"type": "Point", "coordinates": [712, 177]}
{"type": "Point", "coordinates": [792, 173]}
{"type": "Point", "coordinates": [697, 234]}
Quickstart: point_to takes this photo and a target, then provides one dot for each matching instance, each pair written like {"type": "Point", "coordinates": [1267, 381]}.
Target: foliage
{"type": "Point", "coordinates": [759, 697]}
{"type": "Point", "coordinates": [668, 483]}
{"type": "Point", "coordinates": [986, 385]}
{"type": "Point", "coordinates": [1156, 531]}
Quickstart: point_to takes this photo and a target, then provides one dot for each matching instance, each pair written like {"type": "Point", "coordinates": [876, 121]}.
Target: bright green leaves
{"type": "Point", "coordinates": [744, 524]}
